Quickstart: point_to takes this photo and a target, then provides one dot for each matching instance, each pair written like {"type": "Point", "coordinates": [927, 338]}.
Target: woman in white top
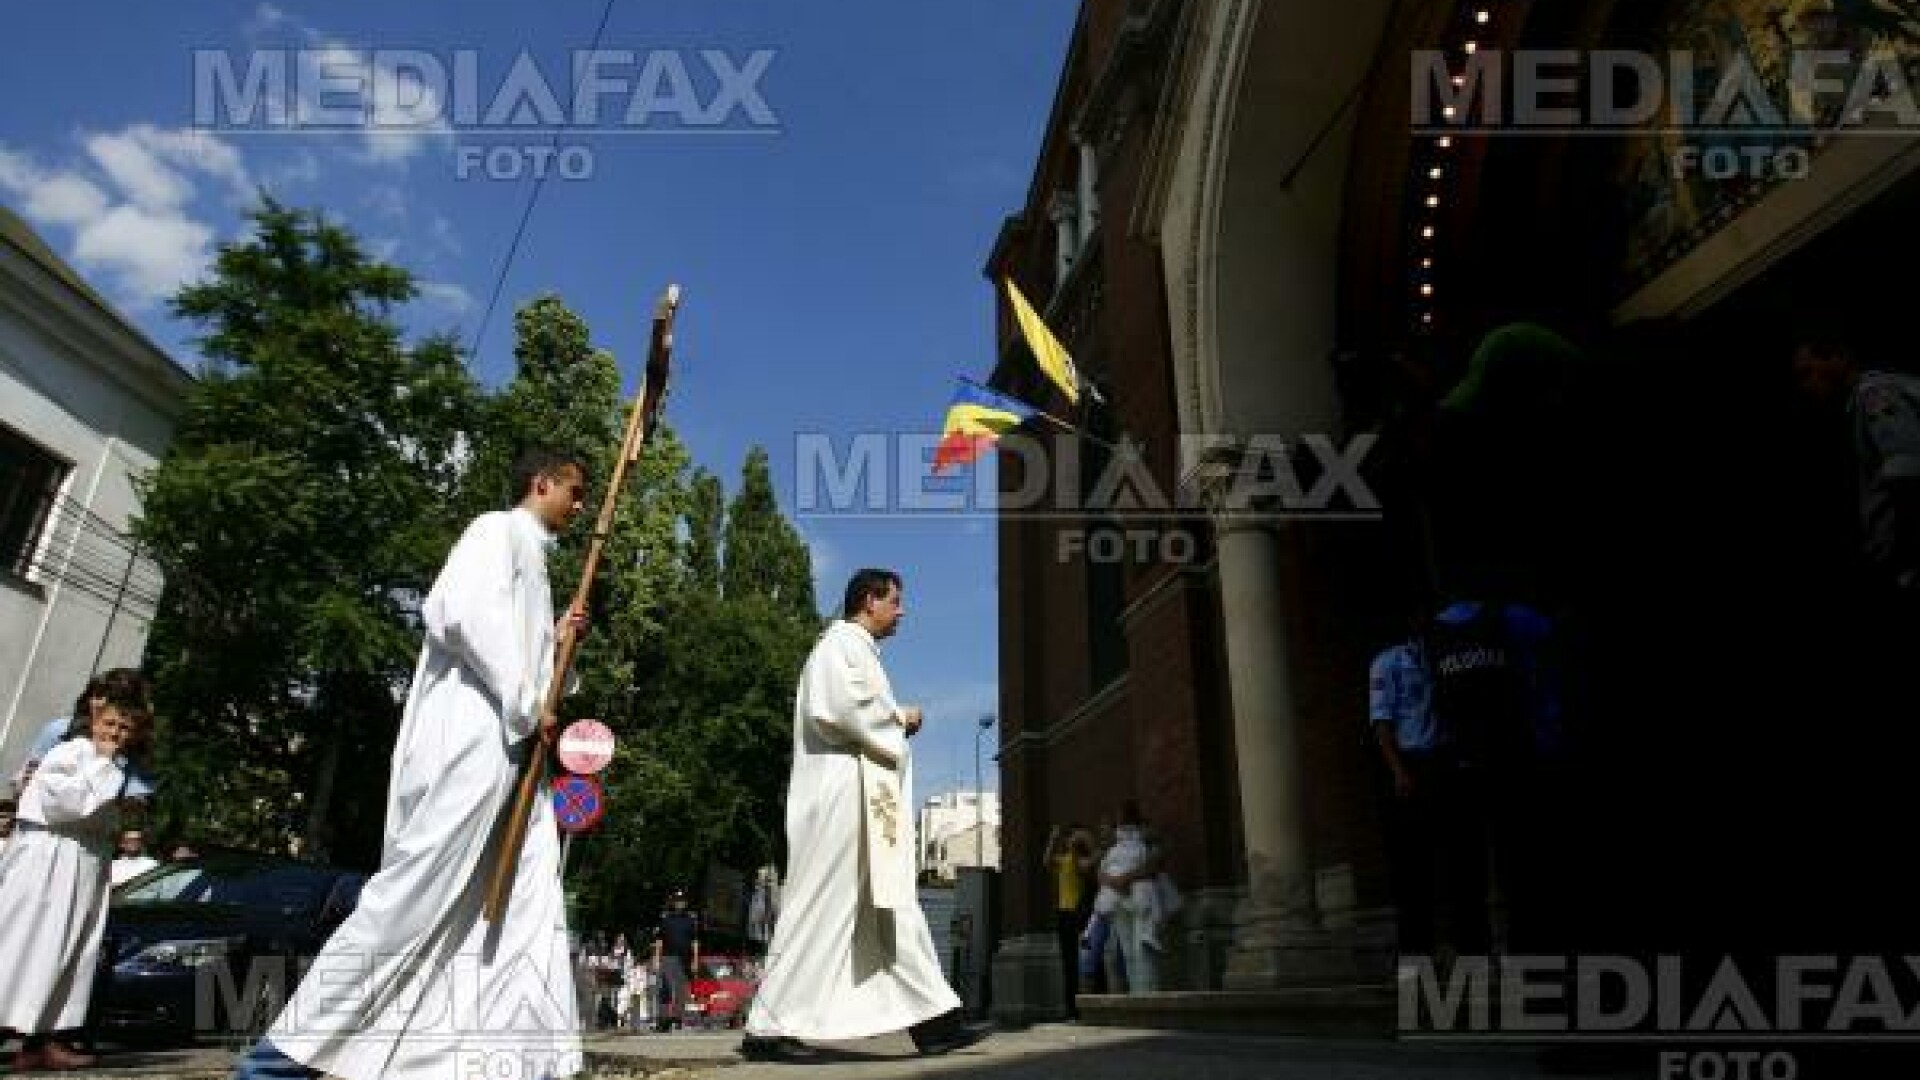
{"type": "Point", "coordinates": [54, 882]}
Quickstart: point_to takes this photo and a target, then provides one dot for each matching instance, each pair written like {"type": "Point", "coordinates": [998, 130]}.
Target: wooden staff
{"type": "Point", "coordinates": [640, 427]}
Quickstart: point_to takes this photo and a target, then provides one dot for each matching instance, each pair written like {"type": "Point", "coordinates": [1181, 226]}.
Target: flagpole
{"type": "Point", "coordinates": [1095, 439]}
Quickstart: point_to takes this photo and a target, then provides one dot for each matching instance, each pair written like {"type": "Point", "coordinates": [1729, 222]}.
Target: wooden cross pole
{"type": "Point", "coordinates": [640, 426]}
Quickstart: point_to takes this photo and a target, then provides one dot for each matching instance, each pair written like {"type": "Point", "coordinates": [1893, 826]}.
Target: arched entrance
{"type": "Point", "coordinates": [1250, 233]}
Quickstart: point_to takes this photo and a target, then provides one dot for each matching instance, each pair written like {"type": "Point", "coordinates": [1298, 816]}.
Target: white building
{"type": "Point", "coordinates": [87, 405]}
{"type": "Point", "coordinates": [960, 828]}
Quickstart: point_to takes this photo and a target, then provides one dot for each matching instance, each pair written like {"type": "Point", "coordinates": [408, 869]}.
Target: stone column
{"type": "Point", "coordinates": [1279, 939]}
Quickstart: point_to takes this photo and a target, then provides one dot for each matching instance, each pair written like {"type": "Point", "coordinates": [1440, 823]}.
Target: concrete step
{"type": "Point", "coordinates": [1359, 1010]}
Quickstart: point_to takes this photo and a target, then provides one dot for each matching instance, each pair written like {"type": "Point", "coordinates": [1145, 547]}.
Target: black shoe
{"type": "Point", "coordinates": [773, 1048]}
{"type": "Point", "coordinates": [952, 1037]}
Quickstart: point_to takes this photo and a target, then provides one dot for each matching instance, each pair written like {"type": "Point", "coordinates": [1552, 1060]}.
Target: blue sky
{"type": "Point", "coordinates": [831, 269]}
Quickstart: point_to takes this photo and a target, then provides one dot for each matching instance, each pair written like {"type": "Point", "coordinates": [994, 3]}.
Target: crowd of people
{"type": "Point", "coordinates": [650, 988]}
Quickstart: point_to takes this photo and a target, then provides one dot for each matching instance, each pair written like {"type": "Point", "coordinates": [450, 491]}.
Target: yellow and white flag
{"type": "Point", "coordinates": [1052, 356]}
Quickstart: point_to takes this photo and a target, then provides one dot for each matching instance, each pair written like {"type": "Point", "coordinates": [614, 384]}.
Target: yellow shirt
{"type": "Point", "coordinates": [1066, 882]}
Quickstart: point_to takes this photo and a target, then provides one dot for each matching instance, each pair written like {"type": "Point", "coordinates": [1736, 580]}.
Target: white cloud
{"type": "Point", "coordinates": [138, 172]}
{"type": "Point", "coordinates": [266, 17]}
{"type": "Point", "coordinates": [67, 200]}
{"type": "Point", "coordinates": [50, 199]}
{"type": "Point", "coordinates": [151, 164]}
{"type": "Point", "coordinates": [198, 151]}
{"type": "Point", "coordinates": [446, 295]}
{"type": "Point", "coordinates": [442, 232]}
{"type": "Point", "coordinates": [303, 169]}
{"type": "Point", "coordinates": [149, 253]}
{"type": "Point", "coordinates": [136, 233]}
{"type": "Point", "coordinates": [387, 199]}
{"type": "Point", "coordinates": [395, 100]}
{"type": "Point", "coordinates": [398, 111]}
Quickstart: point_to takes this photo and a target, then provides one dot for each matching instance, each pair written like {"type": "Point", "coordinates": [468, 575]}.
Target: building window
{"type": "Point", "coordinates": [30, 480]}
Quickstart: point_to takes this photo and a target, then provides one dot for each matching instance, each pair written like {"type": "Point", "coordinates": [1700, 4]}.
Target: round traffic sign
{"type": "Point", "coordinates": [578, 803]}
{"type": "Point", "coordinates": [586, 746]}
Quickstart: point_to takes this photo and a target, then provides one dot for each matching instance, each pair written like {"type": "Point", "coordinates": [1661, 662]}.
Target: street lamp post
{"type": "Point", "coordinates": [980, 798]}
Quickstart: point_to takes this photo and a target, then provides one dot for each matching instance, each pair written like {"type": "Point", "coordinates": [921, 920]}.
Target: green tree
{"type": "Point", "coordinates": [320, 474]}
{"type": "Point", "coordinates": [564, 396]}
{"type": "Point", "coordinates": [305, 502]}
{"type": "Point", "coordinates": [706, 515]}
{"type": "Point", "coordinates": [765, 556]}
{"type": "Point", "coordinates": [700, 776]}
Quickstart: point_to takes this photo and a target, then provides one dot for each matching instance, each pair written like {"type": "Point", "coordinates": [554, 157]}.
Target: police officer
{"type": "Point", "coordinates": [676, 957]}
{"type": "Point", "coordinates": [1433, 836]}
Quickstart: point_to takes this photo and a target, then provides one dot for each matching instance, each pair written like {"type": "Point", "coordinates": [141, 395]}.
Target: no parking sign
{"type": "Point", "coordinates": [578, 803]}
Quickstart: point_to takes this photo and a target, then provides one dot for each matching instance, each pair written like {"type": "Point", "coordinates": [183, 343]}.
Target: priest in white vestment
{"type": "Point", "coordinates": [54, 882]}
{"type": "Point", "coordinates": [851, 954]}
{"type": "Point", "coordinates": [415, 984]}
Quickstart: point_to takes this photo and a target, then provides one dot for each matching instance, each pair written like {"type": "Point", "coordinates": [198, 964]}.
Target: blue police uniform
{"type": "Point", "coordinates": [1400, 695]}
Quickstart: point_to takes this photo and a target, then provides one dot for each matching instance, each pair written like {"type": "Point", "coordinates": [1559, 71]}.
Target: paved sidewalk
{"type": "Point", "coordinates": [1044, 1052]}
{"type": "Point", "coordinates": [200, 1063]}
{"type": "Point", "coordinates": [1066, 1052]}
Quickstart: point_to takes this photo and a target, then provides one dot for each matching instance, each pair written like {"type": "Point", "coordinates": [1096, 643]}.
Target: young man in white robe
{"type": "Point", "coordinates": [416, 985]}
{"type": "Point", "coordinates": [851, 955]}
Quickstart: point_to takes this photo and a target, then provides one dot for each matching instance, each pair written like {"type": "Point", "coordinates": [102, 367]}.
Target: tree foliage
{"type": "Point", "coordinates": [305, 498]}
{"type": "Point", "coordinates": [319, 475]}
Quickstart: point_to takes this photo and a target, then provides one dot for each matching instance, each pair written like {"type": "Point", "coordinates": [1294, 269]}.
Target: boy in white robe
{"type": "Point", "coordinates": [124, 684]}
{"type": "Point", "coordinates": [54, 882]}
{"type": "Point", "coordinates": [415, 985]}
{"type": "Point", "coordinates": [851, 954]}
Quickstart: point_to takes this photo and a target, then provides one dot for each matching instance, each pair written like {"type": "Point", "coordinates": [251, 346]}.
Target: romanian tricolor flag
{"type": "Point", "coordinates": [975, 419]}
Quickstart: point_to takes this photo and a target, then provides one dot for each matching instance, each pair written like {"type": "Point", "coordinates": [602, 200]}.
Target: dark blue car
{"type": "Point", "coordinates": [210, 947]}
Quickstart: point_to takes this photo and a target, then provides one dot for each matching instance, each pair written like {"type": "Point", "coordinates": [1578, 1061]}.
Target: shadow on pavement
{"type": "Point", "coordinates": [1074, 1053]}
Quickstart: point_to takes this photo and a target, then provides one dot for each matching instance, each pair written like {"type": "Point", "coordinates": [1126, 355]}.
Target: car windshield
{"type": "Point", "coordinates": [288, 889]}
{"type": "Point", "coordinates": [721, 969]}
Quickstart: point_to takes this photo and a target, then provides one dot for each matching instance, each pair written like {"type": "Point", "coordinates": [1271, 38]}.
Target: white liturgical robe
{"type": "Point", "coordinates": [851, 954]}
{"type": "Point", "coordinates": [415, 985]}
{"type": "Point", "coordinates": [53, 888]}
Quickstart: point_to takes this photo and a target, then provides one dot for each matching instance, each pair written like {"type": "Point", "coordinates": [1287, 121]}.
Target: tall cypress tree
{"type": "Point", "coordinates": [765, 556]}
